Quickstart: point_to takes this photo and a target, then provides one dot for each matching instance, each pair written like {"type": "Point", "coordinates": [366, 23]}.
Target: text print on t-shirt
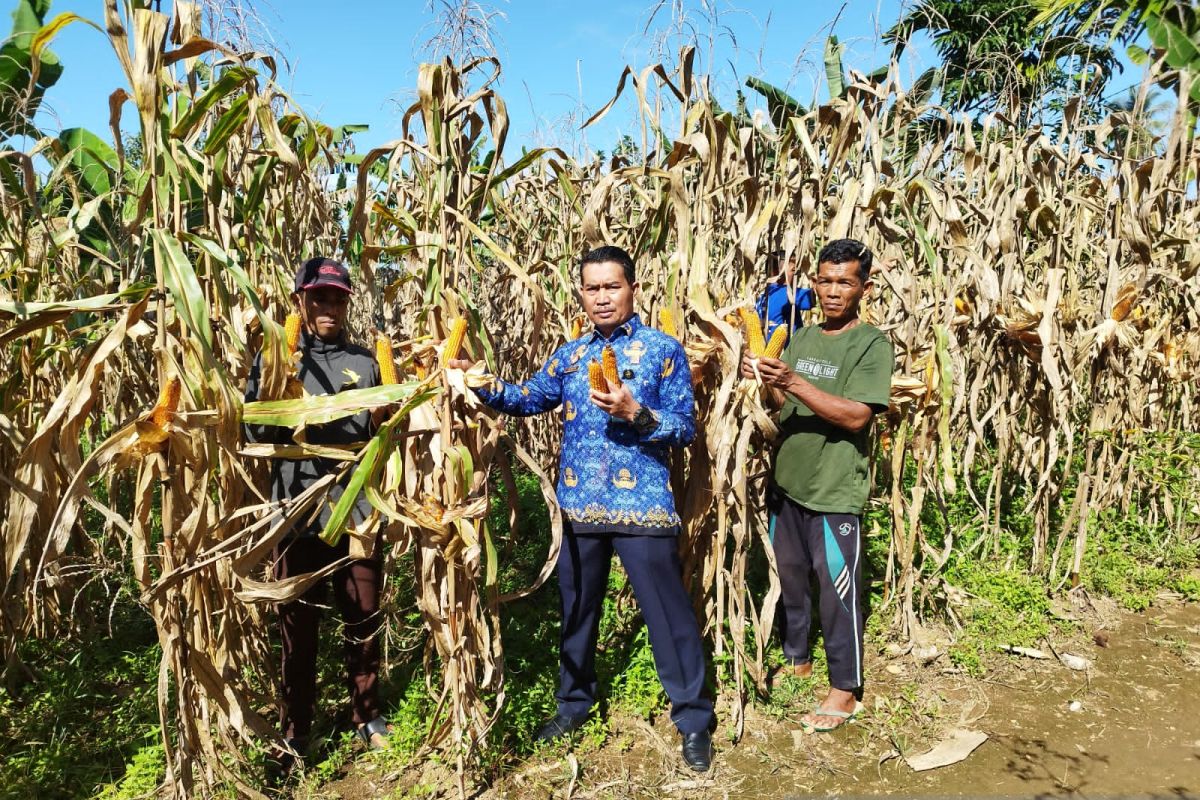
{"type": "Point", "coordinates": [817, 369]}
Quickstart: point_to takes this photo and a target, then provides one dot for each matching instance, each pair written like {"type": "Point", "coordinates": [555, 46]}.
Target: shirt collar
{"type": "Point", "coordinates": [629, 327]}
{"type": "Point", "coordinates": [316, 344]}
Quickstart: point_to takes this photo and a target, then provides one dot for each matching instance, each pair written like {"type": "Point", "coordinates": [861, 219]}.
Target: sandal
{"type": "Point", "coordinates": [376, 727]}
{"type": "Point", "coordinates": [842, 716]}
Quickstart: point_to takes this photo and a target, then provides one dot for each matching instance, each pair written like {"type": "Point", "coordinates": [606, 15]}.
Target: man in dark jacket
{"type": "Point", "coordinates": [327, 364]}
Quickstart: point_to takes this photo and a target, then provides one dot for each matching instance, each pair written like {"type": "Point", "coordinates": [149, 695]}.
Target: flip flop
{"type": "Point", "coordinates": [844, 716]}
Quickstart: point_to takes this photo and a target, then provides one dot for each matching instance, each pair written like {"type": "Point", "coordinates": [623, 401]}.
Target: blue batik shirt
{"type": "Point", "coordinates": [612, 479]}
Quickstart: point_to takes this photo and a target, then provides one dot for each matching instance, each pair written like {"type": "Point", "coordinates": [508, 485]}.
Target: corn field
{"type": "Point", "coordinates": [1039, 286]}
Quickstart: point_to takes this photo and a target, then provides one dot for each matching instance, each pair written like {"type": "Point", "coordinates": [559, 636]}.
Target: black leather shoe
{"type": "Point", "coordinates": [697, 750]}
{"type": "Point", "coordinates": [559, 727]}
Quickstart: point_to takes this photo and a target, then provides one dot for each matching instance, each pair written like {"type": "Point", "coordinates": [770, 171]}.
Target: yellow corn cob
{"type": "Point", "coordinates": [775, 346]}
{"type": "Point", "coordinates": [168, 402]}
{"type": "Point", "coordinates": [733, 320]}
{"type": "Point", "coordinates": [1125, 300]}
{"type": "Point", "coordinates": [596, 376]}
{"type": "Point", "coordinates": [387, 362]}
{"type": "Point", "coordinates": [666, 322]}
{"type": "Point", "coordinates": [458, 329]}
{"type": "Point", "coordinates": [576, 329]}
{"type": "Point", "coordinates": [419, 368]}
{"type": "Point", "coordinates": [291, 332]}
{"type": "Point", "coordinates": [609, 359]}
{"type": "Point", "coordinates": [754, 334]}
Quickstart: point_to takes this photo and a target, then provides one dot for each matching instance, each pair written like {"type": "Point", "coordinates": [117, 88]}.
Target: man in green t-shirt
{"type": "Point", "coordinates": [830, 380]}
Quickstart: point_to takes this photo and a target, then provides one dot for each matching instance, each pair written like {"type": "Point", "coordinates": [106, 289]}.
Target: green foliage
{"type": "Point", "coordinates": [996, 56]}
{"type": "Point", "coordinates": [1008, 607]}
{"type": "Point", "coordinates": [88, 715]}
{"type": "Point", "coordinates": [1131, 561]}
{"type": "Point", "coordinates": [636, 688]}
{"type": "Point", "coordinates": [20, 93]}
{"type": "Point", "coordinates": [143, 774]}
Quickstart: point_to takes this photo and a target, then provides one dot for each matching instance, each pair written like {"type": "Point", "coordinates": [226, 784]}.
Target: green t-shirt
{"type": "Point", "coordinates": [819, 465]}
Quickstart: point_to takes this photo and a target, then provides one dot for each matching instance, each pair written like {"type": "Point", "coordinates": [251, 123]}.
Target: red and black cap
{"type": "Point", "coordinates": [318, 272]}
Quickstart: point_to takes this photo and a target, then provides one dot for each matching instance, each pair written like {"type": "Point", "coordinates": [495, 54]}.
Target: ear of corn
{"type": "Point", "coordinates": [576, 328]}
{"type": "Point", "coordinates": [775, 346]}
{"type": "Point", "coordinates": [291, 332]}
{"type": "Point", "coordinates": [1125, 299]}
{"type": "Point", "coordinates": [754, 334]}
{"type": "Point", "coordinates": [609, 357]}
{"type": "Point", "coordinates": [168, 403]}
{"type": "Point", "coordinates": [458, 329]}
{"type": "Point", "coordinates": [387, 362]}
{"type": "Point", "coordinates": [666, 322]}
{"type": "Point", "coordinates": [422, 372]}
{"type": "Point", "coordinates": [596, 376]}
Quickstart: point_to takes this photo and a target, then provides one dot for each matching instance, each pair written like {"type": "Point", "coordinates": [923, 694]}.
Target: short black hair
{"type": "Point", "coordinates": [840, 251]}
{"type": "Point", "coordinates": [611, 253]}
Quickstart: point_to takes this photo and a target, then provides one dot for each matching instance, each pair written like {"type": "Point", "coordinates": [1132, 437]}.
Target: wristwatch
{"type": "Point", "coordinates": [645, 420]}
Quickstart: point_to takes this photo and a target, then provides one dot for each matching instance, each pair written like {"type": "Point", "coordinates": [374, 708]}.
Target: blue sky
{"type": "Point", "coordinates": [356, 61]}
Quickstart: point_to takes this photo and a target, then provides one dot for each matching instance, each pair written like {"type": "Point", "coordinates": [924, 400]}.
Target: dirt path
{"type": "Point", "coordinates": [1135, 731]}
{"type": "Point", "coordinates": [1128, 725]}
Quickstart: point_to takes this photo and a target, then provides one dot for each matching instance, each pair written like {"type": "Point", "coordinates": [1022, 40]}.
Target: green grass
{"type": "Point", "coordinates": [88, 721]}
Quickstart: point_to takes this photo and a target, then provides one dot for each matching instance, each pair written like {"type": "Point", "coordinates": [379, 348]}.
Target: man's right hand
{"type": "Point", "coordinates": [460, 363]}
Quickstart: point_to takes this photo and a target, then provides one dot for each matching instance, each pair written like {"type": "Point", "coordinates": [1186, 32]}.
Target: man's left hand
{"type": "Point", "coordinates": [616, 401]}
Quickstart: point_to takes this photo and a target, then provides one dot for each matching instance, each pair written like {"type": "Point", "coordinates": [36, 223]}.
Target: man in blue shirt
{"type": "Point", "coordinates": [782, 302]}
{"type": "Point", "coordinates": [614, 489]}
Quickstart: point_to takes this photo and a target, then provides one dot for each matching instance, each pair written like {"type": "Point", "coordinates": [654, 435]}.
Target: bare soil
{"type": "Point", "coordinates": [1127, 725]}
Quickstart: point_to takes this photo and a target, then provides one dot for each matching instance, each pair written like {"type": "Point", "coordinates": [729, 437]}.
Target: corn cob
{"type": "Point", "coordinates": [754, 334]}
{"type": "Point", "coordinates": [422, 372]}
{"type": "Point", "coordinates": [168, 402]}
{"type": "Point", "coordinates": [291, 332]}
{"type": "Point", "coordinates": [666, 322]}
{"type": "Point", "coordinates": [596, 376]}
{"type": "Point", "coordinates": [387, 362]}
{"type": "Point", "coordinates": [576, 329]}
{"type": "Point", "coordinates": [458, 329]}
{"type": "Point", "coordinates": [1125, 300]}
{"type": "Point", "coordinates": [775, 346]}
{"type": "Point", "coordinates": [609, 360]}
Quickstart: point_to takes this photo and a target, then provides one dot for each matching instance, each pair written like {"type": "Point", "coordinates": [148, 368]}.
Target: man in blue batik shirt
{"type": "Point", "coordinates": [614, 489]}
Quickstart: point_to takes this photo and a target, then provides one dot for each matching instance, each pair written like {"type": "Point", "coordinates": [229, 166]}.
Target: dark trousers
{"type": "Point", "coordinates": [828, 546]}
{"type": "Point", "coordinates": [652, 564]}
{"type": "Point", "coordinates": [356, 594]}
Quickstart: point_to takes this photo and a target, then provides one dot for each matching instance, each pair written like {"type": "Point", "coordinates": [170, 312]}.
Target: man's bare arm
{"type": "Point", "coordinates": [849, 415]}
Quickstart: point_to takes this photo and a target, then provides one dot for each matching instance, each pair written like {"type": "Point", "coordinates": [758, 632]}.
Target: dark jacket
{"type": "Point", "coordinates": [325, 368]}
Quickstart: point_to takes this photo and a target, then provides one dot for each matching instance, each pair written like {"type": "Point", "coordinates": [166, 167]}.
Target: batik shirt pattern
{"type": "Point", "coordinates": [611, 477]}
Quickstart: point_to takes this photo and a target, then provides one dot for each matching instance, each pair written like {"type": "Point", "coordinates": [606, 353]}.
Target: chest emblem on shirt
{"type": "Point", "coordinates": [570, 478]}
{"type": "Point", "coordinates": [351, 377]}
{"type": "Point", "coordinates": [816, 368]}
{"type": "Point", "coordinates": [578, 354]}
{"type": "Point", "coordinates": [668, 367]}
{"type": "Point", "coordinates": [635, 351]}
{"type": "Point", "coordinates": [624, 480]}
{"type": "Point", "coordinates": [569, 410]}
